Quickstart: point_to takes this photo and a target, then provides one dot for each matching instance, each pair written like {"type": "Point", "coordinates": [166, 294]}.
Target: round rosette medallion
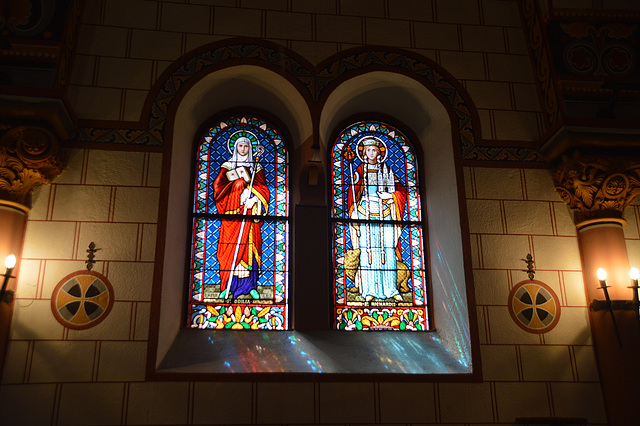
{"type": "Point", "coordinates": [82, 299]}
{"type": "Point", "coordinates": [534, 306]}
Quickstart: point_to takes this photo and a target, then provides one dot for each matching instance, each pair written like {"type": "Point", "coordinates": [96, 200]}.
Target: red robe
{"type": "Point", "coordinates": [227, 197]}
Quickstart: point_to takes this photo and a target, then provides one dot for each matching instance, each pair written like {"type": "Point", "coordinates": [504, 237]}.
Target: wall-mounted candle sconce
{"type": "Point", "coordinates": [7, 295]}
{"type": "Point", "coordinates": [617, 305]}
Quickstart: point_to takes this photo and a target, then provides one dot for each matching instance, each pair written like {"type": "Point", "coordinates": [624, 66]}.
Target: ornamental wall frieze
{"type": "Point", "coordinates": [597, 188]}
{"type": "Point", "coordinates": [315, 84]}
{"type": "Point", "coordinates": [29, 157]}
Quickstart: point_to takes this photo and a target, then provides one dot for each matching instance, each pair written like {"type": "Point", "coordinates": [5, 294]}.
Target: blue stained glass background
{"type": "Point", "coordinates": [269, 266]}
{"type": "Point", "coordinates": [403, 163]}
{"type": "Point", "coordinates": [213, 152]}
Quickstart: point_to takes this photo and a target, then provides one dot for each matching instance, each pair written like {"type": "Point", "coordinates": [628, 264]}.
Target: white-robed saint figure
{"type": "Point", "coordinates": [240, 188]}
{"type": "Point", "coordinates": [379, 196]}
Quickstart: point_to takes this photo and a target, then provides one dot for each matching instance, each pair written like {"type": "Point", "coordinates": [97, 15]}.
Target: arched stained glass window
{"type": "Point", "coordinates": [379, 265]}
{"type": "Point", "coordinates": [239, 241]}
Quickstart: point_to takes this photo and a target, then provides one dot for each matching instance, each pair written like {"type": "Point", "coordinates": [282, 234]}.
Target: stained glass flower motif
{"type": "Point", "coordinates": [239, 241]}
{"type": "Point", "coordinates": [378, 268]}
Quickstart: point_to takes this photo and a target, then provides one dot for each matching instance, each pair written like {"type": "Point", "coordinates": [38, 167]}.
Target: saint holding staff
{"type": "Point", "coordinates": [375, 196]}
{"type": "Point", "coordinates": [240, 189]}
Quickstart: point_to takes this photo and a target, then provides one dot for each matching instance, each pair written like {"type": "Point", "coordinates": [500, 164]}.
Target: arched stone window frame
{"type": "Point", "coordinates": [310, 101]}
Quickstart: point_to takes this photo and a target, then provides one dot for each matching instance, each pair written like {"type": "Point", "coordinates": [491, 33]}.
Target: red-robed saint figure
{"type": "Point", "coordinates": [235, 192]}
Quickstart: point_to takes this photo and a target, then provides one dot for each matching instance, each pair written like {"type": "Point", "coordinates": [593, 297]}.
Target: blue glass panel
{"type": "Point", "coordinates": [378, 266]}
{"type": "Point", "coordinates": [239, 264]}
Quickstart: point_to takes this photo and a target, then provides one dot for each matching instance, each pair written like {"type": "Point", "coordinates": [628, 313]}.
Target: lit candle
{"type": "Point", "coordinates": [602, 276]}
{"type": "Point", "coordinates": [9, 263]}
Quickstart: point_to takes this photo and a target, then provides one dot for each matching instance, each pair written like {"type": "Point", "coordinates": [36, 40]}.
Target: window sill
{"type": "Point", "coordinates": [315, 353]}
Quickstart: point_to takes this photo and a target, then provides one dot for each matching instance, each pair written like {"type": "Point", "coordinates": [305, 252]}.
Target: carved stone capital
{"type": "Point", "coordinates": [29, 156]}
{"type": "Point", "coordinates": [597, 189]}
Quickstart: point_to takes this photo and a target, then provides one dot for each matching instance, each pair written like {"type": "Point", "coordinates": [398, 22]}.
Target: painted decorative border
{"type": "Point", "coordinates": [314, 84]}
{"type": "Point", "coordinates": [541, 57]}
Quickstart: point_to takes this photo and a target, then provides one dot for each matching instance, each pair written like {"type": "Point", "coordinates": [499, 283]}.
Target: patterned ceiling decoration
{"type": "Point", "coordinates": [534, 306]}
{"type": "Point", "coordinates": [314, 84]}
{"type": "Point", "coordinates": [598, 49]}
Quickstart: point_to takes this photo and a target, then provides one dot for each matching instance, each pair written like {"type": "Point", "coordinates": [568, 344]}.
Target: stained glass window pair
{"type": "Point", "coordinates": [240, 226]}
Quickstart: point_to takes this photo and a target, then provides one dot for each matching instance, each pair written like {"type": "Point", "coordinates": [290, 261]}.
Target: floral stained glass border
{"type": "Point", "coordinates": [267, 307]}
{"type": "Point", "coordinates": [379, 271]}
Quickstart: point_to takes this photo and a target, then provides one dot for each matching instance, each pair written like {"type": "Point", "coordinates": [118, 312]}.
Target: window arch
{"type": "Point", "coordinates": [379, 263]}
{"type": "Point", "coordinates": [239, 240]}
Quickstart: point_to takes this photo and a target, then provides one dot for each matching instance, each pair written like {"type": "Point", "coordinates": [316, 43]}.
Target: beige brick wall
{"type": "Point", "coordinates": [124, 46]}
{"type": "Point", "coordinates": [97, 375]}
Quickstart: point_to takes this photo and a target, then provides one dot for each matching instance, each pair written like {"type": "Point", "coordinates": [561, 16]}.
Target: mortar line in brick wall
{"type": "Point", "coordinates": [191, 402]}
{"type": "Point", "coordinates": [159, 16]}
{"type": "Point", "coordinates": [460, 42]}
{"type": "Point", "coordinates": [494, 402]}
{"type": "Point", "coordinates": [123, 102]}
{"type": "Point", "coordinates": [552, 409]}
{"type": "Point", "coordinates": [28, 360]}
{"type": "Point", "coordinates": [132, 320]}
{"type": "Point", "coordinates": [76, 241]}
{"type": "Point", "coordinates": [505, 38]}
{"type": "Point", "coordinates": [554, 219]}
{"type": "Point", "coordinates": [485, 64]}
{"type": "Point", "coordinates": [519, 363]}
{"type": "Point", "coordinates": [96, 185]}
{"type": "Point", "coordinates": [96, 361]}
{"type": "Point", "coordinates": [103, 11]}
{"type": "Point", "coordinates": [112, 205]}
{"type": "Point", "coordinates": [139, 237]}
{"type": "Point", "coordinates": [212, 16]}
{"type": "Point", "coordinates": [512, 95]}
{"type": "Point", "coordinates": [56, 404]}
{"type": "Point", "coordinates": [40, 279]}
{"type": "Point", "coordinates": [436, 402]}
{"type": "Point", "coordinates": [573, 363]}
{"type": "Point", "coordinates": [492, 124]}
{"type": "Point", "coordinates": [144, 178]}
{"type": "Point", "coordinates": [364, 30]}
{"type": "Point", "coordinates": [523, 185]}
{"type": "Point", "coordinates": [313, 28]}
{"type": "Point", "coordinates": [50, 202]}
{"type": "Point", "coordinates": [96, 67]}
{"type": "Point", "coordinates": [412, 34]}
{"type": "Point", "coordinates": [503, 217]}
{"type": "Point", "coordinates": [127, 52]}
{"type": "Point", "coordinates": [125, 405]}
{"type": "Point", "coordinates": [480, 256]}
{"type": "Point", "coordinates": [85, 167]}
{"type": "Point", "coordinates": [487, 327]}
{"type": "Point", "coordinates": [563, 289]}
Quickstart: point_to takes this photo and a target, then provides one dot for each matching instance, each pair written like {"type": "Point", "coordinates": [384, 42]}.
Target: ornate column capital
{"type": "Point", "coordinates": [29, 156]}
{"type": "Point", "coordinates": [597, 189]}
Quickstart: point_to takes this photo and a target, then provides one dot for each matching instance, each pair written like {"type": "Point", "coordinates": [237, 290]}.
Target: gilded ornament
{"type": "Point", "coordinates": [29, 156]}
{"type": "Point", "coordinates": [597, 188]}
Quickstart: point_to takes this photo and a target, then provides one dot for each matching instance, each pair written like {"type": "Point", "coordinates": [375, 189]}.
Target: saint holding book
{"type": "Point", "coordinates": [240, 189]}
